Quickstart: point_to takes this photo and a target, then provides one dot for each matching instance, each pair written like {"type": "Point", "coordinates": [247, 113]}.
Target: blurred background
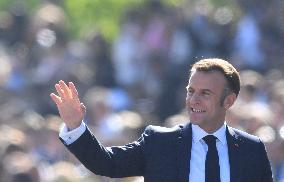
{"type": "Point", "coordinates": [130, 61]}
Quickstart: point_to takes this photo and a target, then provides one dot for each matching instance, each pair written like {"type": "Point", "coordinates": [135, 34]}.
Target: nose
{"type": "Point", "coordinates": [193, 98]}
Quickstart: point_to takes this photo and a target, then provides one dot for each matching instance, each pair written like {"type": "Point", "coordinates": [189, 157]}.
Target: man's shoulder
{"type": "Point", "coordinates": [243, 136]}
{"type": "Point", "coordinates": [165, 137]}
{"type": "Point", "coordinates": [163, 129]}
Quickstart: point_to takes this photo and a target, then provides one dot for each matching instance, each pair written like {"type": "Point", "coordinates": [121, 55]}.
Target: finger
{"type": "Point", "coordinates": [65, 88]}
{"type": "Point", "coordinates": [59, 91]}
{"type": "Point", "coordinates": [73, 90]}
{"type": "Point", "coordinates": [55, 99]}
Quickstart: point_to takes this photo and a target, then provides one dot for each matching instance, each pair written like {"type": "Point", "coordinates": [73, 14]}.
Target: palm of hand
{"type": "Point", "coordinates": [70, 108]}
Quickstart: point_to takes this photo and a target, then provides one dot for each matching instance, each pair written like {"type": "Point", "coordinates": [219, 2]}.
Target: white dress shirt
{"type": "Point", "coordinates": [71, 136]}
{"type": "Point", "coordinates": [199, 151]}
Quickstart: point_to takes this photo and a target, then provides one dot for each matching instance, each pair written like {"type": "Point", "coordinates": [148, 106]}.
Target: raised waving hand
{"type": "Point", "coordinates": [70, 108]}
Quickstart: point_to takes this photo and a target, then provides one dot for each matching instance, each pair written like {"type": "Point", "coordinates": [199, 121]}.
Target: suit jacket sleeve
{"type": "Point", "coordinates": [252, 160]}
{"type": "Point", "coordinates": [267, 173]}
{"type": "Point", "coordinates": [116, 162]}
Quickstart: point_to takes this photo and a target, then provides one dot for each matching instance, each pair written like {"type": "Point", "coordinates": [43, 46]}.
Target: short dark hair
{"type": "Point", "coordinates": [228, 70]}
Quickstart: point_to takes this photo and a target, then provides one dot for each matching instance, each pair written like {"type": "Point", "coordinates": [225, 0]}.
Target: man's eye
{"type": "Point", "coordinates": [189, 92]}
{"type": "Point", "coordinates": [206, 93]}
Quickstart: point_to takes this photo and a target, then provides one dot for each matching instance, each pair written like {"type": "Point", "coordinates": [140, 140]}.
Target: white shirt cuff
{"type": "Point", "coordinates": [71, 136]}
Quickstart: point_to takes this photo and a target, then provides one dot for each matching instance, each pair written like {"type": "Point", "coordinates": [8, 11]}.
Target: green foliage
{"type": "Point", "coordinates": [101, 15]}
{"type": "Point", "coordinates": [85, 16]}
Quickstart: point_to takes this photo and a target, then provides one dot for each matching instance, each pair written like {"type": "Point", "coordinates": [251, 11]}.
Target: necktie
{"type": "Point", "coordinates": [212, 168]}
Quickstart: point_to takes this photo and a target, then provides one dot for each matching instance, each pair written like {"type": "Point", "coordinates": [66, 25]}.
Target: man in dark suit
{"type": "Point", "coordinates": [204, 150]}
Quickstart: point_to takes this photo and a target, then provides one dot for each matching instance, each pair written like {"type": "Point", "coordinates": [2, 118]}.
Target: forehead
{"type": "Point", "coordinates": [212, 80]}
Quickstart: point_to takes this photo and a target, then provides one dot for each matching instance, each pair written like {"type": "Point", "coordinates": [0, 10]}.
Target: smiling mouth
{"type": "Point", "coordinates": [197, 110]}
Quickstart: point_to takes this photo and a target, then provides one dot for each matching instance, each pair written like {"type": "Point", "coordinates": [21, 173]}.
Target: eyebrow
{"type": "Point", "coordinates": [203, 90]}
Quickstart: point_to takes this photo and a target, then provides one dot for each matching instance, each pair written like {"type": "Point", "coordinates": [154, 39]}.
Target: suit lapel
{"type": "Point", "coordinates": [184, 152]}
{"type": "Point", "coordinates": [234, 154]}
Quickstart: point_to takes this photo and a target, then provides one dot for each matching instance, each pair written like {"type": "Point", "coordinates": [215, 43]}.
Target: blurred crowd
{"type": "Point", "coordinates": [136, 80]}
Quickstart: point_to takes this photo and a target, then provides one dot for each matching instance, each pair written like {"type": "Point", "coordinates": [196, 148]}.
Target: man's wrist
{"type": "Point", "coordinates": [71, 136]}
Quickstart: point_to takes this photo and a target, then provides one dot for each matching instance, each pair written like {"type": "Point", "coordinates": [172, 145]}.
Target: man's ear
{"type": "Point", "coordinates": [229, 100]}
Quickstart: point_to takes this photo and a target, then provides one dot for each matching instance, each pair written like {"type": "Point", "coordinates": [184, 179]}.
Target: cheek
{"type": "Point", "coordinates": [187, 100]}
{"type": "Point", "coordinates": [210, 105]}
{"type": "Point", "coordinates": [215, 108]}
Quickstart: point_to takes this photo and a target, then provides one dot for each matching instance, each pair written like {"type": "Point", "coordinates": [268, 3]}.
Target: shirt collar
{"type": "Point", "coordinates": [198, 133]}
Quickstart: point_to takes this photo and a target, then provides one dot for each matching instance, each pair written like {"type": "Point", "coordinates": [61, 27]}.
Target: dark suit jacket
{"type": "Point", "coordinates": [163, 155]}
